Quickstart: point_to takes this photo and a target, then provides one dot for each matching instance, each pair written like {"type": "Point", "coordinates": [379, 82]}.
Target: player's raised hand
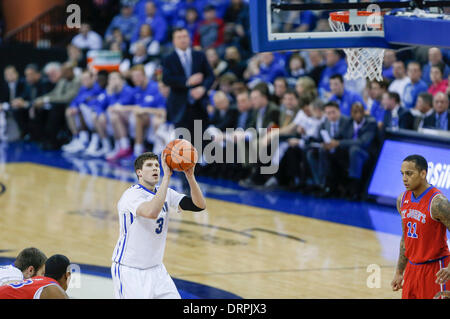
{"type": "Point", "coordinates": [189, 172]}
{"type": "Point", "coordinates": [397, 283]}
{"type": "Point", "coordinates": [442, 276]}
{"type": "Point", "coordinates": [166, 169]}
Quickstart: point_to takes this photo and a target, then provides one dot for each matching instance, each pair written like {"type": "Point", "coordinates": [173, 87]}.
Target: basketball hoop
{"type": "Point", "coordinates": [362, 62]}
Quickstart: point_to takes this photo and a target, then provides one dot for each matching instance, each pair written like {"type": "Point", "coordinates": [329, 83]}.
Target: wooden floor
{"type": "Point", "coordinates": [248, 251]}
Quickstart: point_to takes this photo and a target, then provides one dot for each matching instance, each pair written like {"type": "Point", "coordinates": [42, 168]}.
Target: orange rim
{"type": "Point", "coordinates": [344, 16]}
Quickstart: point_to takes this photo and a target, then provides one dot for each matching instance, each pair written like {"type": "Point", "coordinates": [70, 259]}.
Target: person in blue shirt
{"type": "Point", "coordinates": [149, 118]}
{"type": "Point", "coordinates": [125, 21]}
{"type": "Point", "coordinates": [267, 69]}
{"type": "Point", "coordinates": [79, 114]}
{"type": "Point", "coordinates": [342, 96]}
{"type": "Point", "coordinates": [416, 85]}
{"type": "Point", "coordinates": [156, 21]}
{"type": "Point", "coordinates": [335, 64]}
{"type": "Point", "coordinates": [121, 115]}
{"type": "Point", "coordinates": [376, 91]}
{"type": "Point", "coordinates": [117, 92]}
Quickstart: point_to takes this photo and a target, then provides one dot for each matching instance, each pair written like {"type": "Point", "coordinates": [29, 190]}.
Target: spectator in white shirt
{"type": "Point", "coordinates": [87, 39]}
{"type": "Point", "coordinates": [401, 79]}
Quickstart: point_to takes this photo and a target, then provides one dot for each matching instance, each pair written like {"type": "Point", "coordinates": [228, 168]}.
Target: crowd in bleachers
{"type": "Point", "coordinates": [330, 129]}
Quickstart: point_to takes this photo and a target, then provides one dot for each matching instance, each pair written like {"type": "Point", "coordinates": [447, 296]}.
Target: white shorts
{"type": "Point", "coordinates": [151, 283]}
{"type": "Point", "coordinates": [88, 115]}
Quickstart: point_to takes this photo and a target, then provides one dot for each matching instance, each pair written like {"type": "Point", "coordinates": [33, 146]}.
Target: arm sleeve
{"type": "Point", "coordinates": [186, 203]}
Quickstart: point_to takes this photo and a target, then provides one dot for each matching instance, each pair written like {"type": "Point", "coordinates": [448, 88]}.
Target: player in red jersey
{"type": "Point", "coordinates": [50, 286]}
{"type": "Point", "coordinates": [422, 268]}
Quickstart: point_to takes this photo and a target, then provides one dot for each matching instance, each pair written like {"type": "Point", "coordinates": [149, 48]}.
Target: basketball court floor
{"type": "Point", "coordinates": [249, 244]}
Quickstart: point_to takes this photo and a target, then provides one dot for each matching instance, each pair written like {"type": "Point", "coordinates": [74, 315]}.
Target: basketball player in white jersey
{"type": "Point", "coordinates": [29, 263]}
{"type": "Point", "coordinates": [137, 269]}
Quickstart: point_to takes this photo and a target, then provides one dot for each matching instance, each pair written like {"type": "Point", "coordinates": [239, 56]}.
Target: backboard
{"type": "Point", "coordinates": [303, 24]}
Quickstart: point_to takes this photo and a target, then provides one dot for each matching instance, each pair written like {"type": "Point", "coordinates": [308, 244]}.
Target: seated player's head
{"type": "Point", "coordinates": [57, 267]}
{"type": "Point", "coordinates": [147, 169]}
{"type": "Point", "coordinates": [357, 112]}
{"type": "Point", "coordinates": [332, 111]}
{"type": "Point", "coordinates": [138, 76]}
{"type": "Point", "coordinates": [31, 261]}
{"type": "Point", "coordinates": [414, 172]}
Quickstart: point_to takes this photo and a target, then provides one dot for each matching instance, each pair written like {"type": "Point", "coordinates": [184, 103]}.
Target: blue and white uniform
{"type": "Point", "coordinates": [9, 274]}
{"type": "Point", "coordinates": [137, 270]}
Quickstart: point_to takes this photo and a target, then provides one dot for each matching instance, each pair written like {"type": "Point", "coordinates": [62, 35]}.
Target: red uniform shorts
{"type": "Point", "coordinates": [419, 280]}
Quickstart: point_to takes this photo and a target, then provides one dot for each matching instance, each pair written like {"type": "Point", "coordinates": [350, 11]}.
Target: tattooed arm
{"type": "Point", "coordinates": [402, 260]}
{"type": "Point", "coordinates": [440, 210]}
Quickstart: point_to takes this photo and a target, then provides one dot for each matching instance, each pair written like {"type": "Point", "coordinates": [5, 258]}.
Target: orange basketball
{"type": "Point", "coordinates": [181, 155]}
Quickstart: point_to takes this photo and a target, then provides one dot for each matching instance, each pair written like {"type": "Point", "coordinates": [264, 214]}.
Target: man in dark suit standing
{"type": "Point", "coordinates": [440, 118]}
{"type": "Point", "coordinates": [189, 76]}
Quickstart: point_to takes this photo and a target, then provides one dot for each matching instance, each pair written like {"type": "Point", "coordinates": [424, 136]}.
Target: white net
{"type": "Point", "coordinates": [362, 62]}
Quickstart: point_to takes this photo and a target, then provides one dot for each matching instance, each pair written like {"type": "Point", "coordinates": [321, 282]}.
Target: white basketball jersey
{"type": "Point", "coordinates": [142, 240]}
{"type": "Point", "coordinates": [9, 274]}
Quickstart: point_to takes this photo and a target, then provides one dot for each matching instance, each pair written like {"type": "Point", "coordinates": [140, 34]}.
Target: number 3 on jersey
{"type": "Point", "coordinates": [160, 222]}
{"type": "Point", "coordinates": [412, 230]}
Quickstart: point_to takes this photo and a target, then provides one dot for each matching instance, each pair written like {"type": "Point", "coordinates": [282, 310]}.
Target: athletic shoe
{"type": "Point", "coordinates": [120, 154]}
{"type": "Point", "coordinates": [76, 147]}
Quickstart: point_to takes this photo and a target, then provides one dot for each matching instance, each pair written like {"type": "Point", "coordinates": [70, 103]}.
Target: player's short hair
{"type": "Point", "coordinates": [138, 67]}
{"type": "Point", "coordinates": [56, 266]}
{"type": "Point", "coordinates": [140, 160]}
{"type": "Point", "coordinates": [30, 257]}
{"type": "Point", "coordinates": [420, 162]}
{"type": "Point", "coordinates": [331, 104]}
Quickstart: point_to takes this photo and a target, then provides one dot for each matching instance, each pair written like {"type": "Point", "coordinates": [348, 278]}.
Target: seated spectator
{"type": "Point", "coordinates": [300, 21]}
{"type": "Point", "coordinates": [35, 85]}
{"type": "Point", "coordinates": [244, 106]}
{"type": "Point", "coordinates": [263, 68]}
{"type": "Point", "coordinates": [156, 21]}
{"type": "Point", "coordinates": [126, 22]}
{"type": "Point", "coordinates": [146, 38]}
{"type": "Point", "coordinates": [234, 62]}
{"type": "Point", "coordinates": [306, 88]}
{"type": "Point", "coordinates": [316, 65]}
{"type": "Point", "coordinates": [150, 119]}
{"type": "Point", "coordinates": [120, 114]}
{"type": "Point", "coordinates": [400, 79]}
{"type": "Point", "coordinates": [117, 92]}
{"type": "Point", "coordinates": [210, 31]}
{"type": "Point", "coordinates": [117, 42]}
{"type": "Point", "coordinates": [388, 64]}
{"type": "Point", "coordinates": [87, 39]}
{"type": "Point", "coordinates": [218, 65]}
{"type": "Point", "coordinates": [11, 87]}
{"type": "Point", "coordinates": [296, 69]}
{"type": "Point", "coordinates": [394, 112]}
{"type": "Point", "coordinates": [376, 91]}
{"type": "Point", "coordinates": [76, 58]}
{"type": "Point", "coordinates": [325, 162]}
{"type": "Point", "coordinates": [265, 116]}
{"type": "Point", "coordinates": [438, 82]}
{"type": "Point", "coordinates": [280, 86]}
{"type": "Point", "coordinates": [413, 119]}
{"type": "Point", "coordinates": [189, 21]}
{"type": "Point", "coordinates": [440, 118]}
{"type": "Point", "coordinates": [434, 57]}
{"type": "Point", "coordinates": [359, 141]}
{"type": "Point", "coordinates": [140, 57]}
{"type": "Point", "coordinates": [79, 114]}
{"type": "Point", "coordinates": [291, 154]}
{"type": "Point", "coordinates": [335, 64]}
{"type": "Point", "coordinates": [341, 95]}
{"type": "Point", "coordinates": [415, 86]}
{"type": "Point", "coordinates": [49, 110]}
{"type": "Point", "coordinates": [225, 116]}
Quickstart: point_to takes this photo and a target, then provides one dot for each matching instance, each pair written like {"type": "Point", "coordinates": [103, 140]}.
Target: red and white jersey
{"type": "Point", "coordinates": [425, 238]}
{"type": "Point", "coordinates": [27, 289]}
